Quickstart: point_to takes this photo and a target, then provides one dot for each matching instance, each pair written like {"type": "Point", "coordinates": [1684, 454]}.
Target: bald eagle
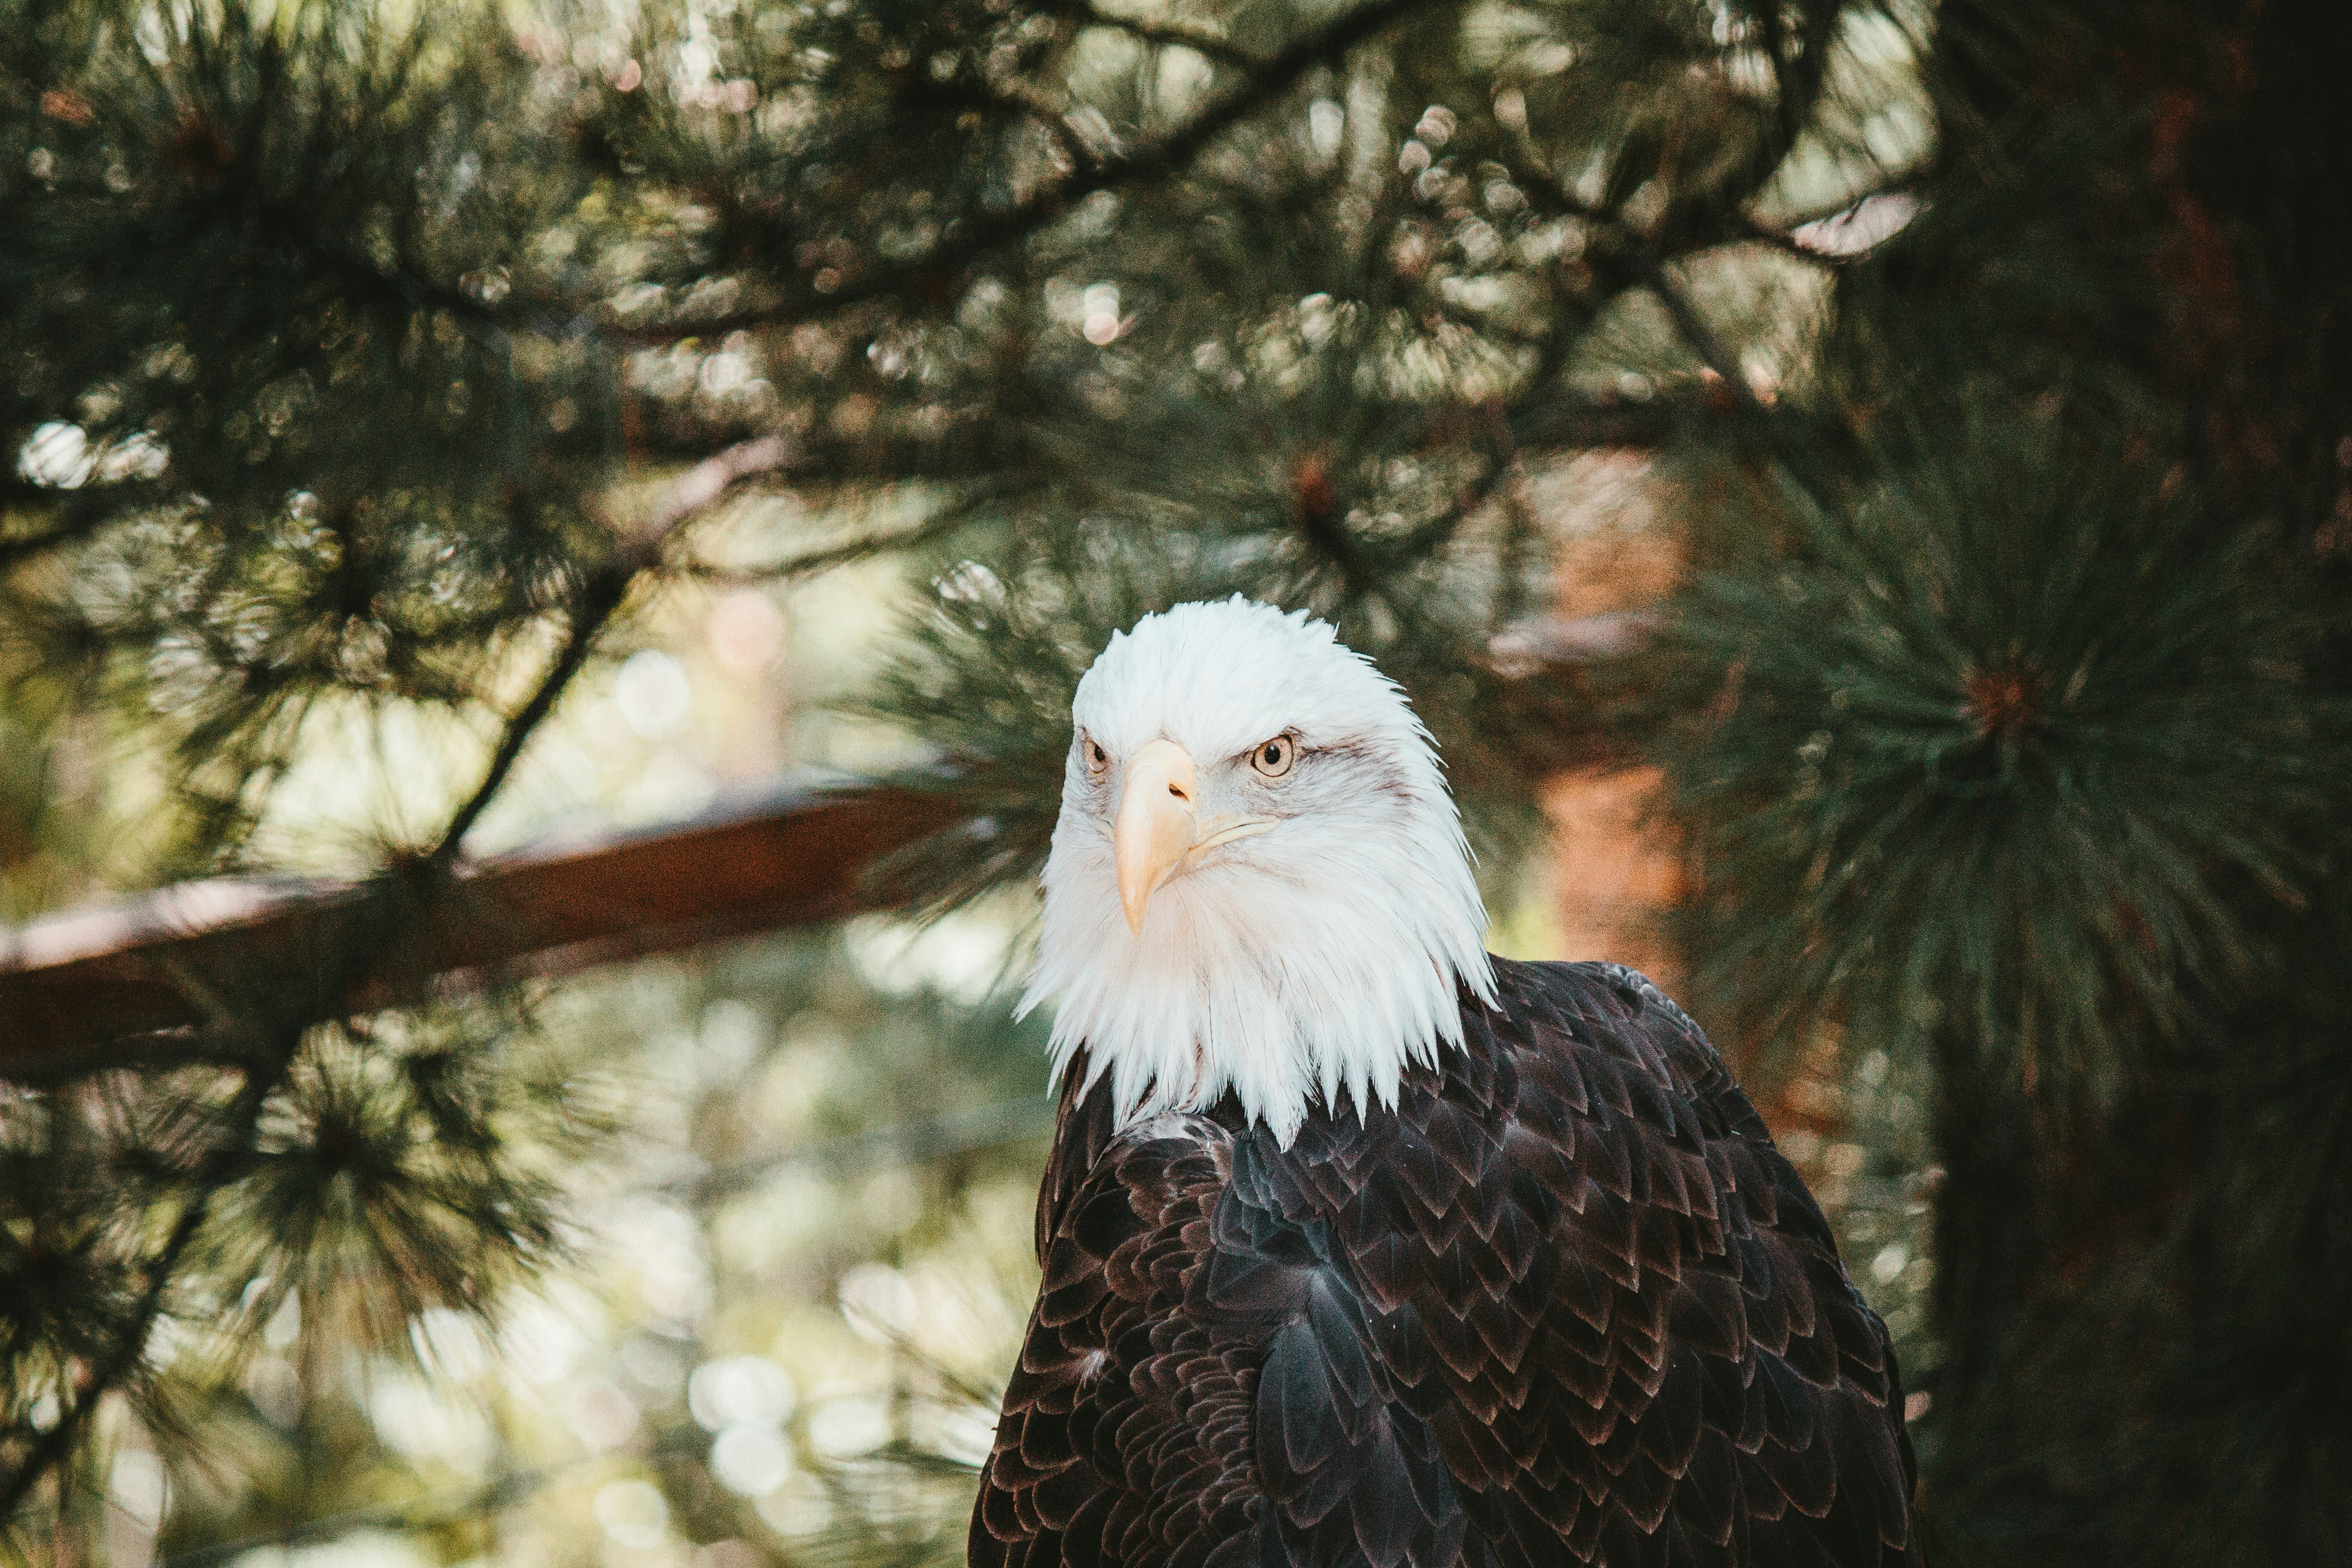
{"type": "Point", "coordinates": [1362, 1246]}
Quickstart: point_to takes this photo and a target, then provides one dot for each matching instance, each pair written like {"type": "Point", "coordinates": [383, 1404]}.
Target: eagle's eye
{"type": "Point", "coordinates": [1273, 758]}
{"type": "Point", "coordinates": [1097, 758]}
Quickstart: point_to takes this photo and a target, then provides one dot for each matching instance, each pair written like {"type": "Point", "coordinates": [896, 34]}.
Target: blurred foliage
{"type": "Point", "coordinates": [685, 1369]}
{"type": "Point", "coordinates": [432, 425]}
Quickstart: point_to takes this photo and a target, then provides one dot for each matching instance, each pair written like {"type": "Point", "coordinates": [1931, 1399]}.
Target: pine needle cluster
{"type": "Point", "coordinates": [1995, 745]}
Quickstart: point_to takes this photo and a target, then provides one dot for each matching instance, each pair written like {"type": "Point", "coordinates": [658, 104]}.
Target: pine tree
{"type": "Point", "coordinates": [379, 373]}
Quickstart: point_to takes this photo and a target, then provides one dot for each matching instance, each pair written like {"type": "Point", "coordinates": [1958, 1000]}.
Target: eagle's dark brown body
{"type": "Point", "coordinates": [1566, 1305]}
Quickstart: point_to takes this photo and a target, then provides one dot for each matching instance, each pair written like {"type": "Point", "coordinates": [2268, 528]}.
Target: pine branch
{"type": "Point", "coordinates": [87, 510]}
{"type": "Point", "coordinates": [1499, 426]}
{"type": "Point", "coordinates": [1170, 153]}
{"type": "Point", "coordinates": [703, 486]}
{"type": "Point", "coordinates": [1169, 34]}
{"type": "Point", "coordinates": [601, 595]}
{"type": "Point", "coordinates": [397, 901]}
{"type": "Point", "coordinates": [1798, 73]}
{"type": "Point", "coordinates": [144, 1052]}
{"type": "Point", "coordinates": [25, 546]}
{"type": "Point", "coordinates": [1789, 455]}
{"type": "Point", "coordinates": [1711, 350]}
{"type": "Point", "coordinates": [1630, 258]}
{"type": "Point", "coordinates": [52, 1447]}
{"type": "Point", "coordinates": [939, 525]}
{"type": "Point", "coordinates": [1789, 113]}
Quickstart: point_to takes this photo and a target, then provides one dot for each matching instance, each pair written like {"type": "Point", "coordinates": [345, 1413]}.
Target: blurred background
{"type": "Point", "coordinates": [545, 547]}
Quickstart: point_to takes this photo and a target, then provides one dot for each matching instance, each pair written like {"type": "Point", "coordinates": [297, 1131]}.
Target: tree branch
{"type": "Point", "coordinates": [1692, 327]}
{"type": "Point", "coordinates": [1166, 35]}
{"type": "Point", "coordinates": [602, 594]}
{"type": "Point", "coordinates": [164, 1050]}
{"type": "Point", "coordinates": [979, 234]}
{"type": "Point", "coordinates": [1502, 447]}
{"type": "Point", "coordinates": [1798, 72]}
{"type": "Point", "coordinates": [89, 510]}
{"type": "Point", "coordinates": [1787, 244]}
{"type": "Point", "coordinates": [936, 526]}
{"type": "Point", "coordinates": [701, 487]}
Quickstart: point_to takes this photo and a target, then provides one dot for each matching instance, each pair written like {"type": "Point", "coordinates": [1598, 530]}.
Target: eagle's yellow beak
{"type": "Point", "coordinates": [1156, 825]}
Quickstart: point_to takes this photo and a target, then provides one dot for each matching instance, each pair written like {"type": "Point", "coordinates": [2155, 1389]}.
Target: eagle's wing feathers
{"type": "Point", "coordinates": [1567, 1304]}
{"type": "Point", "coordinates": [1706, 1386]}
{"type": "Point", "coordinates": [1613, 1303]}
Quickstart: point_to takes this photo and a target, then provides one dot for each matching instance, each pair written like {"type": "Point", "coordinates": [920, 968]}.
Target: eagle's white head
{"type": "Point", "coordinates": [1258, 881]}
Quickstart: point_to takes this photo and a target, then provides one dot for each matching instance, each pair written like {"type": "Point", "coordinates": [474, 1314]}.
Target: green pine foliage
{"type": "Point", "coordinates": [2009, 741]}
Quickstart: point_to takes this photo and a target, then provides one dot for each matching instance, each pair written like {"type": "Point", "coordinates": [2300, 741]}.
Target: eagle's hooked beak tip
{"type": "Point", "coordinates": [1154, 830]}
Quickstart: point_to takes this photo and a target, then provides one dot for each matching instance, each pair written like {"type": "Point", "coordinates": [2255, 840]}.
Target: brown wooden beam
{"type": "Point", "coordinates": [125, 985]}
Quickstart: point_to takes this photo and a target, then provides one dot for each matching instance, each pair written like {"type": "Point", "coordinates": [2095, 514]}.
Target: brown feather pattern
{"type": "Point", "coordinates": [1566, 1304]}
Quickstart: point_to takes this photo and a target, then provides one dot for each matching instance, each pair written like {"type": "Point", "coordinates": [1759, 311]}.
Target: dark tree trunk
{"type": "Point", "coordinates": [2142, 1305]}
